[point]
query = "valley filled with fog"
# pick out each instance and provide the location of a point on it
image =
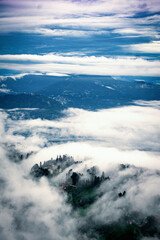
(121, 142)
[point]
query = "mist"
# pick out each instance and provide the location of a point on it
(107, 139)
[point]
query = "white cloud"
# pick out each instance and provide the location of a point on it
(83, 19)
(31, 210)
(153, 104)
(81, 7)
(4, 90)
(140, 192)
(138, 31)
(17, 76)
(37, 24)
(59, 64)
(105, 138)
(21, 109)
(152, 47)
(37, 17)
(66, 32)
(56, 74)
(119, 135)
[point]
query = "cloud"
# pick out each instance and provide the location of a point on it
(139, 197)
(83, 18)
(137, 31)
(81, 7)
(21, 75)
(17, 76)
(37, 210)
(59, 64)
(122, 134)
(26, 214)
(42, 25)
(4, 90)
(81, 26)
(66, 32)
(153, 104)
(30, 210)
(57, 74)
(152, 47)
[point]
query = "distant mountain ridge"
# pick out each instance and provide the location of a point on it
(31, 106)
(28, 83)
(83, 91)
(101, 92)
(28, 101)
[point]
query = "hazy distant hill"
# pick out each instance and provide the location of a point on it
(28, 83)
(28, 101)
(101, 93)
(88, 92)
(30, 106)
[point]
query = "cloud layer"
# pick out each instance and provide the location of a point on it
(107, 138)
(90, 65)
(127, 130)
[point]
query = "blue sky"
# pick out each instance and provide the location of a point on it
(120, 38)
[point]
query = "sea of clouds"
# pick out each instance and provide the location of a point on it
(33, 210)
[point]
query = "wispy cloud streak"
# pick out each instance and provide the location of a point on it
(82, 65)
